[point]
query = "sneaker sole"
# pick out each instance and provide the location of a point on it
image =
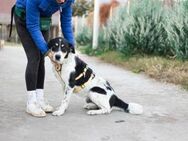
(35, 115)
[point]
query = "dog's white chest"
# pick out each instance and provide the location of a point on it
(58, 75)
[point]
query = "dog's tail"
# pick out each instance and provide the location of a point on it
(132, 108)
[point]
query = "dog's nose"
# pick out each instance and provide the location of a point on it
(57, 57)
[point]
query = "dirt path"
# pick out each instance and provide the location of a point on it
(164, 118)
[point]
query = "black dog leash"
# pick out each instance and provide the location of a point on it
(11, 22)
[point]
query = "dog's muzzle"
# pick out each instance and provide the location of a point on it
(57, 57)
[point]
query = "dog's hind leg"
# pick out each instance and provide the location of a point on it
(102, 102)
(90, 105)
(98, 112)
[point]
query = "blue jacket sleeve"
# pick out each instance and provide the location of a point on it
(33, 25)
(66, 23)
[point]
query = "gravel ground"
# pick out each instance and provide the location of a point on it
(164, 119)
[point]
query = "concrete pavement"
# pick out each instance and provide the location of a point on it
(164, 119)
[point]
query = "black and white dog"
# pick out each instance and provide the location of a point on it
(76, 77)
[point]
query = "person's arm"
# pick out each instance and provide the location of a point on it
(33, 25)
(66, 24)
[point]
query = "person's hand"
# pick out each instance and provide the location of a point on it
(50, 55)
(60, 1)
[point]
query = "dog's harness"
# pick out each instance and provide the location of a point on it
(77, 89)
(82, 74)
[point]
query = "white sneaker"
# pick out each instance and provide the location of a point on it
(43, 104)
(35, 110)
(32, 107)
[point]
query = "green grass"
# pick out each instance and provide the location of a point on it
(160, 68)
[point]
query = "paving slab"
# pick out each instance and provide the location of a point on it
(165, 115)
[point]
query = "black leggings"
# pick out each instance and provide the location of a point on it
(35, 70)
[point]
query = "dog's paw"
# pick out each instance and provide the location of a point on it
(58, 112)
(91, 112)
(98, 112)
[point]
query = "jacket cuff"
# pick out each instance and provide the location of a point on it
(71, 45)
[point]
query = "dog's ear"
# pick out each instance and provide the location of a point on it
(72, 49)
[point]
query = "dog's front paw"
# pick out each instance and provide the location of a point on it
(58, 112)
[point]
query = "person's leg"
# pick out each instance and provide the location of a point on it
(41, 73)
(40, 80)
(41, 70)
(31, 74)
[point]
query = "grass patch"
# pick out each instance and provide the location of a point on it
(172, 71)
(163, 69)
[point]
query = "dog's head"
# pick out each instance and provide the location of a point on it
(60, 49)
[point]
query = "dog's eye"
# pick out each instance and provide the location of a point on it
(53, 48)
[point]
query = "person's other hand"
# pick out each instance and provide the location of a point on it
(60, 1)
(50, 55)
